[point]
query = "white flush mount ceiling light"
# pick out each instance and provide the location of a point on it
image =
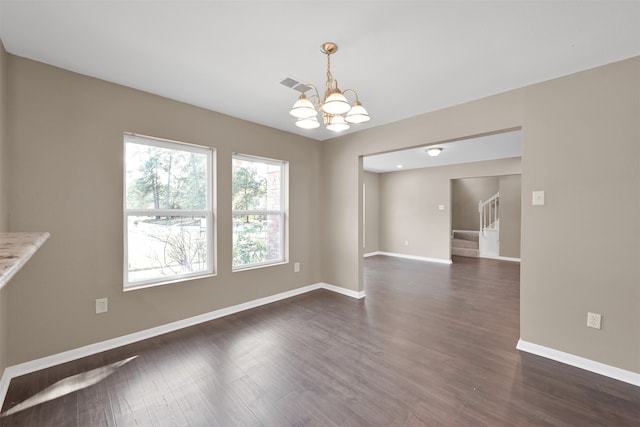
(337, 113)
(434, 151)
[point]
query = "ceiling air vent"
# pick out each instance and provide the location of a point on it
(295, 85)
(289, 82)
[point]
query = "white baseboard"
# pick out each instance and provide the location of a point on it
(14, 371)
(580, 362)
(417, 258)
(343, 291)
(502, 258)
(442, 261)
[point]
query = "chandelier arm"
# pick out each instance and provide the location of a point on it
(344, 92)
(316, 95)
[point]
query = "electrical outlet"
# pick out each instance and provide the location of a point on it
(406, 243)
(296, 267)
(593, 320)
(102, 305)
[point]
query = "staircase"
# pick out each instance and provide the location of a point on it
(465, 243)
(490, 226)
(486, 241)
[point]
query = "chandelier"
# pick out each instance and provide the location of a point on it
(337, 113)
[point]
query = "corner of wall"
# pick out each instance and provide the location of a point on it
(4, 221)
(3, 196)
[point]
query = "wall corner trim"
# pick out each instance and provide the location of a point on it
(20, 369)
(580, 362)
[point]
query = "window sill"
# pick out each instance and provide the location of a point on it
(257, 266)
(167, 282)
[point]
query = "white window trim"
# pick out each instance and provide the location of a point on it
(208, 213)
(283, 212)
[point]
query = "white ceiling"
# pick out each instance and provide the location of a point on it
(489, 147)
(404, 58)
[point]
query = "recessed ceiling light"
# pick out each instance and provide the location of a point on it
(434, 151)
(399, 166)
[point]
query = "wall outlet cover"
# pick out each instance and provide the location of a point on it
(593, 320)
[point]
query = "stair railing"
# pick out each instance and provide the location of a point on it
(489, 212)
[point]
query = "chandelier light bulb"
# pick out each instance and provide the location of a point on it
(308, 123)
(336, 103)
(303, 108)
(336, 123)
(357, 114)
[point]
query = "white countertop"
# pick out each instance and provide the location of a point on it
(15, 251)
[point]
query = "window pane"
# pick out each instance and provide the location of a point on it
(166, 247)
(256, 239)
(256, 185)
(274, 193)
(162, 178)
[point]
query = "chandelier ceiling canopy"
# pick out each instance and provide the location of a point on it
(337, 113)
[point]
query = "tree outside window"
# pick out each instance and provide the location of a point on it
(258, 202)
(168, 214)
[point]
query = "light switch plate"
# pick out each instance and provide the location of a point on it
(102, 305)
(537, 198)
(440, 207)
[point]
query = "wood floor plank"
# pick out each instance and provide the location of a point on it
(430, 345)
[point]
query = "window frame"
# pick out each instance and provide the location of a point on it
(208, 212)
(283, 212)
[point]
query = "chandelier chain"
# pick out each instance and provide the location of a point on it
(330, 80)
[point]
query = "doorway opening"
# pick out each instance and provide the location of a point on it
(486, 217)
(407, 201)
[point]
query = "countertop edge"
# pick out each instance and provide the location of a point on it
(15, 250)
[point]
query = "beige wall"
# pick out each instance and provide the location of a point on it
(342, 220)
(409, 206)
(66, 153)
(465, 195)
(3, 197)
(4, 175)
(580, 250)
(510, 215)
(565, 123)
(371, 211)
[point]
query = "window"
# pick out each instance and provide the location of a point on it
(259, 211)
(168, 214)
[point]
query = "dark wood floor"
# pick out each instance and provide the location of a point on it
(431, 344)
